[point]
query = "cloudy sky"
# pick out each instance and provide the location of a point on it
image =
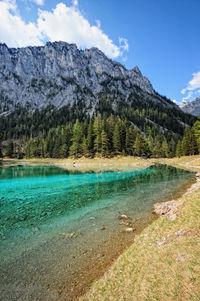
(162, 37)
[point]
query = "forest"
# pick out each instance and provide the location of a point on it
(53, 133)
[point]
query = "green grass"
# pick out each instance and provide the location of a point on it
(161, 264)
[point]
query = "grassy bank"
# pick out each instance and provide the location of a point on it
(85, 163)
(164, 261)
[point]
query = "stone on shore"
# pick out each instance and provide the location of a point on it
(130, 229)
(124, 216)
(168, 209)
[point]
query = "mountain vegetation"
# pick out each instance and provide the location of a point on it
(69, 131)
(58, 101)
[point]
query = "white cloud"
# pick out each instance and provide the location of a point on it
(183, 91)
(123, 44)
(67, 24)
(75, 2)
(175, 101)
(98, 22)
(193, 84)
(38, 2)
(64, 23)
(193, 87)
(13, 30)
(188, 96)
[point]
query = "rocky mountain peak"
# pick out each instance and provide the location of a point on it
(59, 73)
(192, 107)
(137, 70)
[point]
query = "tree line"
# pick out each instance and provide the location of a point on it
(103, 137)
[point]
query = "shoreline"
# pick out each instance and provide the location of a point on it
(117, 163)
(83, 280)
(101, 287)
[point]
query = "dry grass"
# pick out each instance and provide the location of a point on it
(189, 162)
(164, 261)
(85, 163)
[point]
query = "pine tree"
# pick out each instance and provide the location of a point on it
(104, 143)
(193, 143)
(165, 149)
(141, 147)
(130, 138)
(196, 130)
(10, 149)
(97, 135)
(157, 150)
(189, 144)
(116, 139)
(76, 149)
(172, 148)
(90, 137)
(1, 153)
(178, 149)
(84, 147)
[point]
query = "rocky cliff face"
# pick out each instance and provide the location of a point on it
(59, 73)
(192, 107)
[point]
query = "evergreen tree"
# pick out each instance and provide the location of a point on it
(165, 149)
(178, 149)
(193, 143)
(97, 135)
(172, 148)
(157, 150)
(196, 130)
(189, 144)
(84, 147)
(116, 139)
(141, 147)
(76, 148)
(10, 149)
(104, 143)
(1, 153)
(90, 137)
(130, 138)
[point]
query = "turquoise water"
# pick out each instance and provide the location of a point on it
(39, 206)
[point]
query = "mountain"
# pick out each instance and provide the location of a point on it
(59, 73)
(48, 86)
(192, 107)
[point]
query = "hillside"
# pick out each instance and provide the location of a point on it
(44, 90)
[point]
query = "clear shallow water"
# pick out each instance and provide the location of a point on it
(41, 206)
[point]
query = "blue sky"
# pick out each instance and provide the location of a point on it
(162, 37)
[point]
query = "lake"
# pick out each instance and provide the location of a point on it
(59, 229)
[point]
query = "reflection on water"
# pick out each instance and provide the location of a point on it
(38, 203)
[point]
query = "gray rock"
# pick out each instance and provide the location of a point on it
(192, 107)
(59, 73)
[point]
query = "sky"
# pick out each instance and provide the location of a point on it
(161, 37)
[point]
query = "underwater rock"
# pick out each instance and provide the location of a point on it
(127, 223)
(124, 216)
(102, 228)
(130, 229)
(35, 229)
(70, 235)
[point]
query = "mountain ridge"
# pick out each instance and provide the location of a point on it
(59, 73)
(192, 107)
